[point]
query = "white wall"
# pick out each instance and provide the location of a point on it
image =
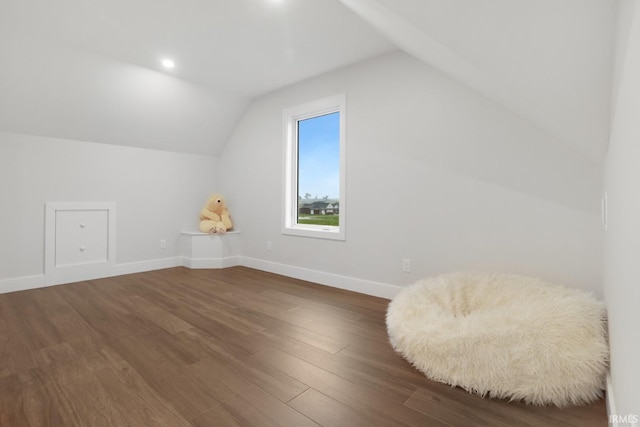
(158, 195)
(622, 243)
(435, 173)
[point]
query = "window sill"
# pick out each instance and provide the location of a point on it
(316, 232)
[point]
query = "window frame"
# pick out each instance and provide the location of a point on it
(291, 117)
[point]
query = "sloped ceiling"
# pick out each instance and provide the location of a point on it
(548, 61)
(90, 69)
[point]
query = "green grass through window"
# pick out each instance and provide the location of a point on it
(319, 219)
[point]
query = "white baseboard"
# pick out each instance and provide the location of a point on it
(196, 263)
(21, 283)
(38, 281)
(368, 287)
(612, 412)
(611, 405)
(149, 265)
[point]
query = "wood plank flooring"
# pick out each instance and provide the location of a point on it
(232, 347)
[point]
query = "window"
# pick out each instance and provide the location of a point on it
(315, 169)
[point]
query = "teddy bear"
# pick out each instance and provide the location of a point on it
(214, 217)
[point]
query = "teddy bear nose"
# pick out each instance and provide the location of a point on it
(219, 200)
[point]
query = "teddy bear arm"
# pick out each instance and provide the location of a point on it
(207, 214)
(226, 220)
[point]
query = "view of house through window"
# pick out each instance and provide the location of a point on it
(314, 175)
(319, 170)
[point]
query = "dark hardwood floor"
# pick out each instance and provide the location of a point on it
(232, 347)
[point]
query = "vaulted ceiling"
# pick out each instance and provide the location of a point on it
(90, 69)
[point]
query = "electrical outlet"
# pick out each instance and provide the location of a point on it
(406, 265)
(268, 245)
(163, 244)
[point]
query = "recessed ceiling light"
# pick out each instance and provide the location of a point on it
(168, 63)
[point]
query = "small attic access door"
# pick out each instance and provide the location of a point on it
(79, 241)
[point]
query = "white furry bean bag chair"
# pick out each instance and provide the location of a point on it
(504, 336)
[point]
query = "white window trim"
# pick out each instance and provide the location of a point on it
(291, 116)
